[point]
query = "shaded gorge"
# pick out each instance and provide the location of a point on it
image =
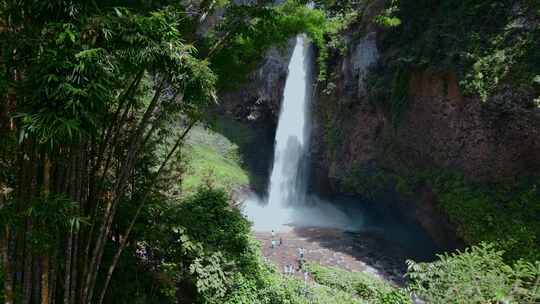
(384, 236)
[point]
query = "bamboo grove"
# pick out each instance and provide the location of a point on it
(96, 99)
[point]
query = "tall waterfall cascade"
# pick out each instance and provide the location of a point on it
(288, 204)
(289, 177)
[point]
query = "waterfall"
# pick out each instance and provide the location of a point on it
(289, 177)
(288, 204)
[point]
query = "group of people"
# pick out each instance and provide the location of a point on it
(301, 257)
(289, 268)
(274, 241)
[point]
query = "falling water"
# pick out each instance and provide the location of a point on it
(288, 179)
(287, 203)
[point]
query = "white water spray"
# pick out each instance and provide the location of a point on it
(288, 204)
(288, 179)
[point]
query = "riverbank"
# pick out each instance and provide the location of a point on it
(356, 252)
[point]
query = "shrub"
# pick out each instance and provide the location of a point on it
(505, 214)
(476, 275)
(362, 285)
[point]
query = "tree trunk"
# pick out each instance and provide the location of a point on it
(134, 147)
(6, 264)
(30, 282)
(67, 276)
(27, 271)
(53, 277)
(36, 284)
(19, 234)
(74, 268)
(124, 239)
(45, 266)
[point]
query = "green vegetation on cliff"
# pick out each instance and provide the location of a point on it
(492, 45)
(500, 213)
(504, 213)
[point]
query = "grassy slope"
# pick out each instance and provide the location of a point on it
(211, 157)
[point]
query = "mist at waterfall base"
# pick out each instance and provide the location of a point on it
(288, 205)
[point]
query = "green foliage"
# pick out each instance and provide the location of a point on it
(366, 181)
(504, 214)
(476, 275)
(199, 243)
(238, 43)
(315, 24)
(276, 289)
(394, 101)
(362, 285)
(388, 17)
(211, 277)
(206, 244)
(78, 70)
(400, 95)
(8, 212)
(501, 214)
(490, 44)
(213, 222)
(251, 30)
(51, 217)
(212, 158)
(137, 283)
(332, 136)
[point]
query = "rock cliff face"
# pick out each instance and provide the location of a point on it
(432, 127)
(439, 128)
(258, 100)
(429, 125)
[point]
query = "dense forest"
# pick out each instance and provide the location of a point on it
(117, 184)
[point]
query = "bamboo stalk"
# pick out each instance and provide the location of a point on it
(6, 263)
(29, 272)
(45, 266)
(74, 268)
(123, 241)
(67, 275)
(104, 230)
(36, 278)
(53, 276)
